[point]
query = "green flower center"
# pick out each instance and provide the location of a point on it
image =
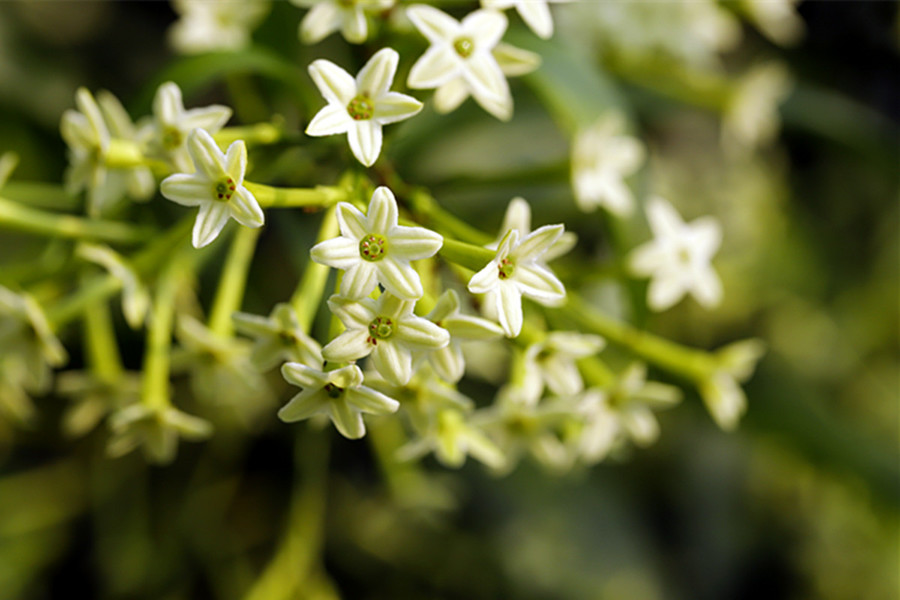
(224, 189)
(372, 247)
(506, 268)
(361, 108)
(381, 328)
(287, 337)
(346, 3)
(172, 138)
(464, 46)
(333, 391)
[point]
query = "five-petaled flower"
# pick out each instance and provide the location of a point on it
(338, 394)
(678, 258)
(348, 16)
(360, 107)
(385, 328)
(217, 188)
(460, 61)
(374, 249)
(518, 270)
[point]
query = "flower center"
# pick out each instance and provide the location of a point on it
(372, 247)
(361, 108)
(172, 138)
(684, 255)
(506, 268)
(381, 328)
(333, 391)
(224, 189)
(463, 46)
(287, 337)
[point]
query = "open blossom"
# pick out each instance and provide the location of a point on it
(167, 132)
(387, 330)
(602, 157)
(374, 249)
(751, 115)
(360, 107)
(721, 391)
(678, 258)
(156, 429)
(338, 394)
(460, 60)
(347, 16)
(279, 338)
(208, 25)
(535, 13)
(552, 362)
(448, 362)
(216, 187)
(452, 438)
(518, 270)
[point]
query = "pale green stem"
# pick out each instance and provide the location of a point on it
(308, 295)
(467, 255)
(22, 218)
(692, 87)
(318, 197)
(100, 342)
(425, 205)
(233, 282)
(260, 133)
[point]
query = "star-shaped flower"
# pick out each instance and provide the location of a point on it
(602, 157)
(338, 394)
(360, 107)
(166, 134)
(552, 362)
(216, 188)
(518, 270)
(155, 428)
(535, 13)
(348, 16)
(278, 338)
(678, 258)
(460, 60)
(452, 438)
(374, 249)
(207, 25)
(721, 391)
(448, 362)
(385, 328)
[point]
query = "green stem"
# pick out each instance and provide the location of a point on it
(234, 281)
(310, 289)
(30, 220)
(260, 133)
(100, 342)
(468, 255)
(425, 205)
(318, 197)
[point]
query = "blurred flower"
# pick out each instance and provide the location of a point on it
(166, 134)
(156, 429)
(135, 296)
(139, 181)
(460, 61)
(278, 338)
(448, 362)
(208, 25)
(552, 362)
(535, 13)
(602, 157)
(751, 115)
(216, 187)
(360, 107)
(348, 16)
(338, 394)
(385, 328)
(452, 438)
(422, 397)
(518, 270)
(721, 391)
(678, 258)
(8, 163)
(94, 397)
(374, 249)
(776, 19)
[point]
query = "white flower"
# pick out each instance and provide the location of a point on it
(776, 19)
(155, 428)
(216, 188)
(518, 217)
(452, 438)
(360, 107)
(751, 115)
(678, 258)
(552, 362)
(278, 338)
(207, 25)
(602, 157)
(138, 181)
(374, 249)
(721, 393)
(167, 135)
(385, 328)
(348, 16)
(338, 394)
(460, 60)
(535, 13)
(448, 362)
(517, 270)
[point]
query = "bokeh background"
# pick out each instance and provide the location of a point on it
(801, 502)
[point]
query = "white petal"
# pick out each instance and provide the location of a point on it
(434, 24)
(399, 278)
(509, 308)
(375, 78)
(346, 377)
(205, 154)
(436, 67)
(448, 362)
(334, 83)
(359, 280)
(707, 288)
(354, 314)
(393, 362)
(350, 345)
(646, 259)
(705, 236)
(382, 214)
(303, 406)
(471, 328)
(187, 190)
(210, 220)
(210, 118)
(421, 332)
(450, 95)
(446, 305)
(245, 209)
(346, 420)
(485, 27)
(302, 376)
(537, 243)
(486, 279)
(484, 76)
(501, 108)
(321, 20)
(562, 377)
(333, 119)
(369, 401)
(394, 106)
(664, 292)
(365, 141)
(538, 282)
(537, 16)
(518, 217)
(354, 27)
(339, 252)
(413, 243)
(167, 104)
(664, 219)
(351, 221)
(641, 425)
